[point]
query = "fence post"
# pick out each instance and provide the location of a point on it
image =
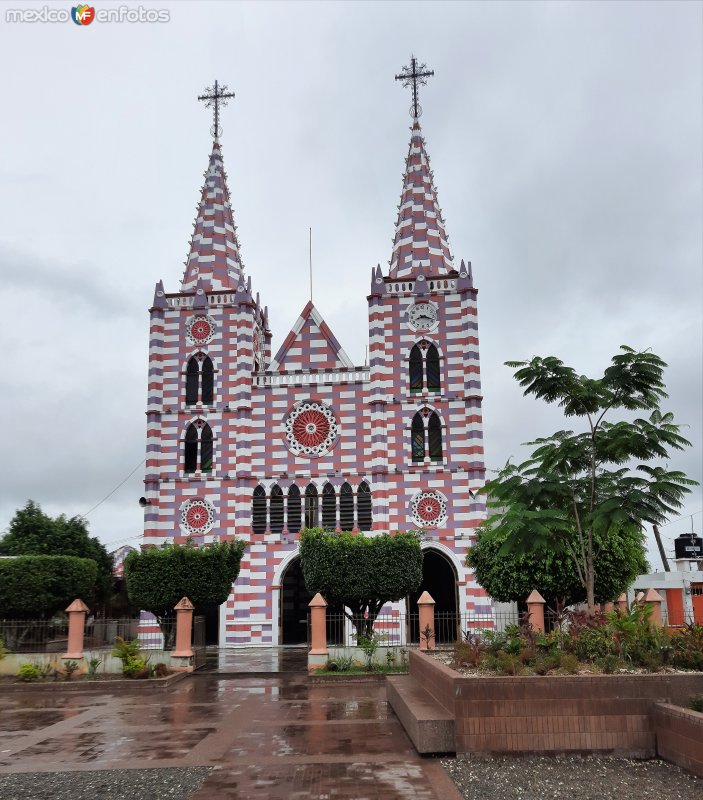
(184, 628)
(318, 625)
(535, 610)
(76, 629)
(425, 607)
(653, 598)
(622, 603)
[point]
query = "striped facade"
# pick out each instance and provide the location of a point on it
(268, 416)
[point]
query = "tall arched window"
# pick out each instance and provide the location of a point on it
(432, 368)
(258, 510)
(190, 460)
(192, 380)
(416, 369)
(206, 448)
(312, 507)
(276, 509)
(208, 378)
(417, 434)
(294, 509)
(346, 507)
(329, 507)
(434, 437)
(200, 381)
(363, 507)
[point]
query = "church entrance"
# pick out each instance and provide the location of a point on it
(439, 579)
(294, 606)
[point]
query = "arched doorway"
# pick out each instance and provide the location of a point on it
(439, 579)
(294, 605)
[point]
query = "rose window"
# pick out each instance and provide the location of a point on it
(197, 516)
(311, 429)
(429, 509)
(201, 330)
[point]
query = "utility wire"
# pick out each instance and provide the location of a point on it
(108, 496)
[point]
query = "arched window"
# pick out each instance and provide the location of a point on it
(417, 434)
(294, 509)
(432, 368)
(311, 507)
(258, 510)
(416, 369)
(206, 448)
(190, 461)
(208, 378)
(434, 437)
(363, 506)
(192, 378)
(346, 507)
(276, 510)
(329, 507)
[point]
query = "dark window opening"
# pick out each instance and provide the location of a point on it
(294, 509)
(346, 507)
(208, 374)
(206, 449)
(276, 512)
(416, 369)
(434, 431)
(363, 506)
(192, 378)
(418, 438)
(329, 507)
(258, 510)
(432, 365)
(190, 461)
(311, 507)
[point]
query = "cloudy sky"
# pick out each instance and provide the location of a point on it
(566, 145)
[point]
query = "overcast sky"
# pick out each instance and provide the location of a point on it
(566, 145)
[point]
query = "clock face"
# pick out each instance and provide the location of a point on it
(422, 316)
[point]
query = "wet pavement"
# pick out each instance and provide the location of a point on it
(255, 719)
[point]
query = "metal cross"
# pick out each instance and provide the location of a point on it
(214, 97)
(415, 76)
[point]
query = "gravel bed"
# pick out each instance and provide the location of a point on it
(572, 777)
(172, 783)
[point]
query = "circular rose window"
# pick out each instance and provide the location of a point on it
(201, 330)
(310, 429)
(429, 509)
(197, 516)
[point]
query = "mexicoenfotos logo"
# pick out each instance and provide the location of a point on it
(83, 15)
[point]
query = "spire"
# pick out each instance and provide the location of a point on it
(214, 256)
(420, 238)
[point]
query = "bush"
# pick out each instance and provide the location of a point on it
(135, 667)
(695, 702)
(34, 587)
(509, 664)
(686, 647)
(29, 673)
(569, 664)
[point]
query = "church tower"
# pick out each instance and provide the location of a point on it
(240, 443)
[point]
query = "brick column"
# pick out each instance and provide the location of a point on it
(184, 628)
(76, 629)
(535, 610)
(318, 625)
(654, 599)
(622, 603)
(609, 606)
(425, 607)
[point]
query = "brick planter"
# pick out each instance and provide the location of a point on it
(555, 714)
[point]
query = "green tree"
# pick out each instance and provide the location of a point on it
(359, 572)
(32, 532)
(511, 576)
(157, 578)
(578, 489)
(33, 587)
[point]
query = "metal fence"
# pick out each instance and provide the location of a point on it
(199, 642)
(34, 636)
(101, 633)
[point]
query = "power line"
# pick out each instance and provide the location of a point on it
(108, 496)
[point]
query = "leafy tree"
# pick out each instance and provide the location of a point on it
(577, 490)
(38, 586)
(157, 578)
(511, 576)
(360, 573)
(32, 532)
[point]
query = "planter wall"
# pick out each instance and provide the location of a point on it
(111, 665)
(680, 736)
(555, 714)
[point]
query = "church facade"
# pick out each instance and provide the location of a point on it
(243, 441)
